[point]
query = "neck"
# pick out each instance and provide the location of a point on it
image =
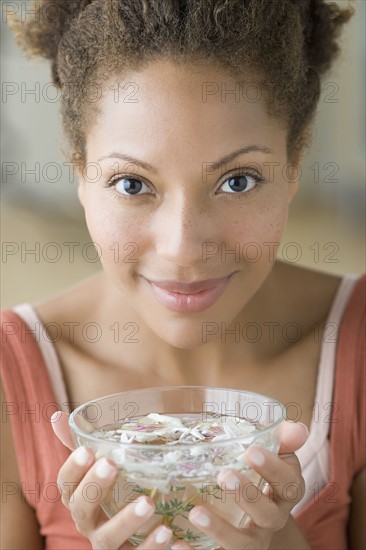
(248, 341)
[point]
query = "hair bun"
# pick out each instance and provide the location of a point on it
(44, 27)
(322, 22)
(289, 43)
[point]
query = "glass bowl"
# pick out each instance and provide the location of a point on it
(179, 476)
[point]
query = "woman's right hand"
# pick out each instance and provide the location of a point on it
(80, 471)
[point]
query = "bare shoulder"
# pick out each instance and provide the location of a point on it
(74, 304)
(309, 278)
(309, 293)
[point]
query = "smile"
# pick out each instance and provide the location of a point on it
(187, 300)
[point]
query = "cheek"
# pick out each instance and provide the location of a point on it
(256, 236)
(251, 235)
(117, 237)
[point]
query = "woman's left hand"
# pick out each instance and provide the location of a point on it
(269, 512)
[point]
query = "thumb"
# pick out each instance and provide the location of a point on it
(293, 436)
(60, 425)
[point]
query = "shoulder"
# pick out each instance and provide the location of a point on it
(305, 294)
(53, 316)
(74, 305)
(352, 329)
(309, 279)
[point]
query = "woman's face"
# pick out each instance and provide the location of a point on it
(177, 216)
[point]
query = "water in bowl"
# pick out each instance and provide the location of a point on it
(177, 467)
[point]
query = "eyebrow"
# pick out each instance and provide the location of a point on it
(215, 165)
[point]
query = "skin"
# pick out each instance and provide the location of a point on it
(171, 128)
(269, 519)
(178, 210)
(164, 228)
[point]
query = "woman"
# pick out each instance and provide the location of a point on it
(187, 122)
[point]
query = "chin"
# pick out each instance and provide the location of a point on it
(182, 335)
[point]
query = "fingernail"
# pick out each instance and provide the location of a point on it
(231, 481)
(306, 428)
(81, 456)
(163, 535)
(200, 518)
(255, 456)
(143, 507)
(302, 424)
(55, 417)
(104, 469)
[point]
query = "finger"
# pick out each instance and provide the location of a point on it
(182, 545)
(293, 436)
(268, 509)
(259, 506)
(159, 538)
(85, 501)
(115, 532)
(283, 475)
(60, 425)
(72, 472)
(218, 529)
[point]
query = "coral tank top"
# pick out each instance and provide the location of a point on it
(333, 454)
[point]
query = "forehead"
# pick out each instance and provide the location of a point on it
(189, 105)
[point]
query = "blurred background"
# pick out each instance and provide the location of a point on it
(41, 216)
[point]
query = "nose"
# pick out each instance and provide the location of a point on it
(181, 227)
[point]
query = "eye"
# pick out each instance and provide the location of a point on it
(128, 185)
(241, 183)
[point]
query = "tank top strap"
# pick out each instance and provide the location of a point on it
(324, 519)
(29, 315)
(322, 414)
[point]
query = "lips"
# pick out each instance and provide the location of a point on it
(188, 288)
(188, 297)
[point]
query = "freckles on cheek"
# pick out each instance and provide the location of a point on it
(115, 237)
(258, 228)
(273, 224)
(258, 234)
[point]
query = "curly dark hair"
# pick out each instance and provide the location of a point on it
(289, 43)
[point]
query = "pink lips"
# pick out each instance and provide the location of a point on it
(189, 297)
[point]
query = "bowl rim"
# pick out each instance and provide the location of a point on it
(121, 444)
